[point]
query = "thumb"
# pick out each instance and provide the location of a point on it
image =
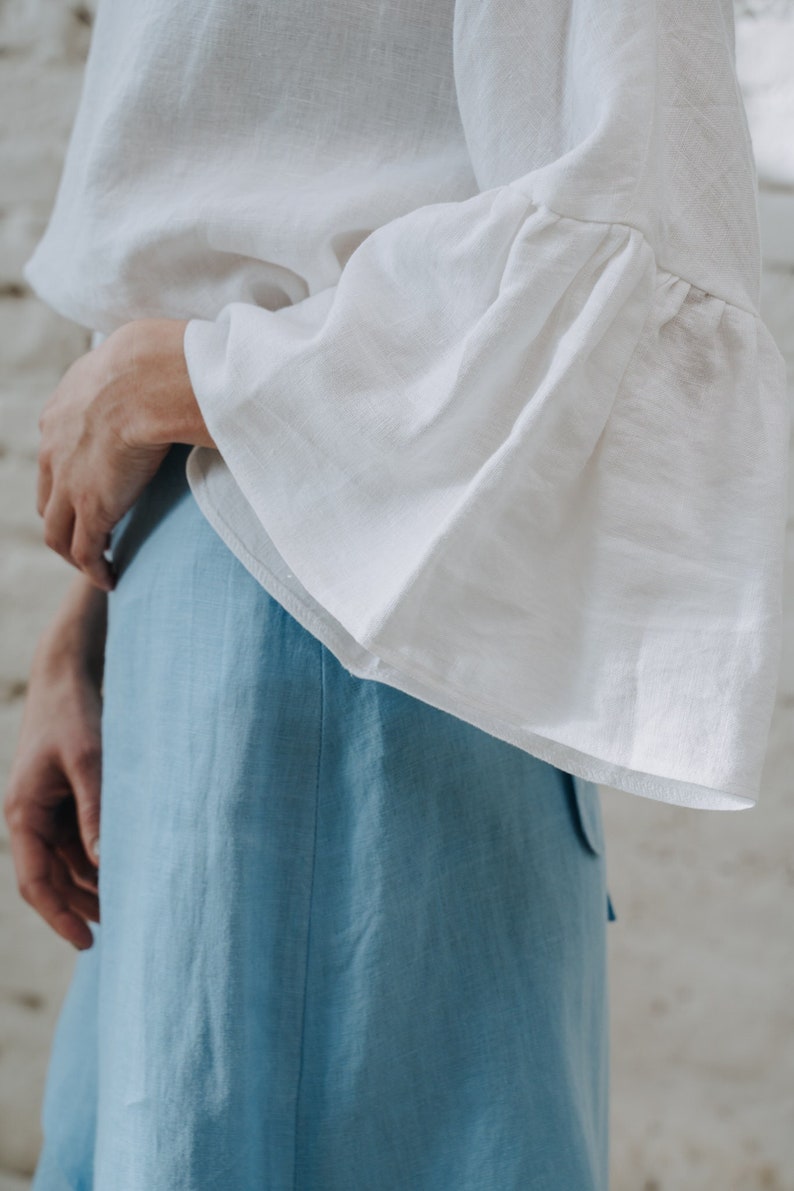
(85, 774)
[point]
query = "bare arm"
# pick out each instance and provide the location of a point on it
(52, 802)
(76, 635)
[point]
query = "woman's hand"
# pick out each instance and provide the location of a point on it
(104, 433)
(52, 803)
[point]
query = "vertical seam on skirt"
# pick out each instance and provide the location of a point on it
(309, 922)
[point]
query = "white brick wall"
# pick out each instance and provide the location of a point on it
(43, 45)
(701, 954)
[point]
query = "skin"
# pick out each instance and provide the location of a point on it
(105, 431)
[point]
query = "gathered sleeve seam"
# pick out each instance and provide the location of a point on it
(632, 227)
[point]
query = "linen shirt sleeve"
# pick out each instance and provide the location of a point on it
(531, 448)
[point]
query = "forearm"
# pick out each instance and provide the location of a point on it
(76, 634)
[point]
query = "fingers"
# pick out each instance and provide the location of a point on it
(83, 769)
(87, 553)
(45, 884)
(80, 540)
(84, 873)
(84, 473)
(43, 484)
(59, 527)
(72, 848)
(54, 874)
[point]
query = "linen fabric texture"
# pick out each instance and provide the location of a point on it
(348, 942)
(473, 301)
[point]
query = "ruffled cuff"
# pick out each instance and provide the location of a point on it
(540, 484)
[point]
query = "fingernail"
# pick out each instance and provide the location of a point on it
(95, 849)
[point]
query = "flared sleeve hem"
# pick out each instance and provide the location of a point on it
(545, 491)
(216, 492)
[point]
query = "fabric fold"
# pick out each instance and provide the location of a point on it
(563, 440)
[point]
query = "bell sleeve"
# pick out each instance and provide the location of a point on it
(530, 451)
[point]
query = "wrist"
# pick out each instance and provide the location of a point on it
(75, 638)
(162, 408)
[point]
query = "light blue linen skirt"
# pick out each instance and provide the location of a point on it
(349, 942)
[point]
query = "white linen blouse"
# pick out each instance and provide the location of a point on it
(473, 301)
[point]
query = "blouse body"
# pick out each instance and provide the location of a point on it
(473, 300)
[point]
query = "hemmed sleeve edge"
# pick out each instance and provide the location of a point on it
(205, 470)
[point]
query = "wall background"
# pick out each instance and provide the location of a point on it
(702, 952)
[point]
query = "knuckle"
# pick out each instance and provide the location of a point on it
(90, 824)
(91, 510)
(84, 502)
(83, 555)
(87, 758)
(29, 888)
(13, 808)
